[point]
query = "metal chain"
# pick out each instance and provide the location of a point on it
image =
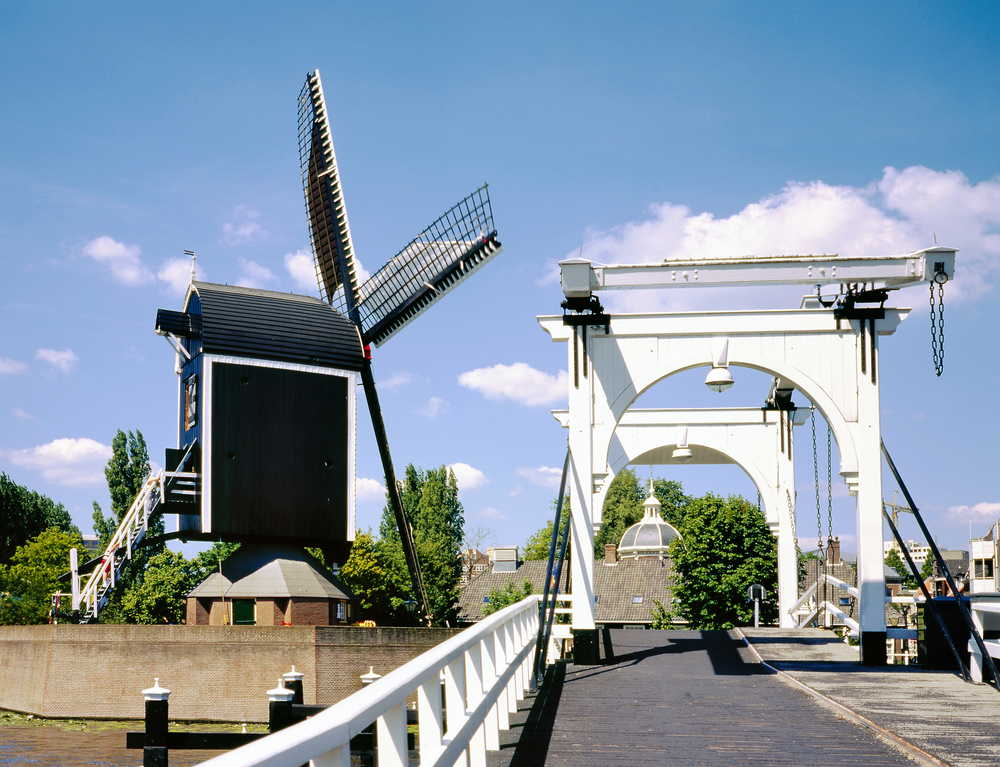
(819, 516)
(829, 486)
(791, 516)
(937, 330)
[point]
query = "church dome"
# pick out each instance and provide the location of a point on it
(651, 535)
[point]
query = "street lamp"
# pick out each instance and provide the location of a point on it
(719, 378)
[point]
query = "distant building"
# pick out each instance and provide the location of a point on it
(918, 551)
(983, 575)
(633, 576)
(271, 586)
(92, 545)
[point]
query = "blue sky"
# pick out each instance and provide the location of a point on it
(130, 133)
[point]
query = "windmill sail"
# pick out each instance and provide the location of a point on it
(434, 263)
(328, 228)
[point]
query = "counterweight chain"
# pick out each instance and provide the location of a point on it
(937, 329)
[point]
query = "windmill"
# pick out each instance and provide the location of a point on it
(434, 263)
(259, 369)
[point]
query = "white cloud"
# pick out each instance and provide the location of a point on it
(488, 512)
(369, 490)
(398, 378)
(176, 274)
(435, 406)
(550, 274)
(981, 512)
(18, 413)
(124, 261)
(61, 360)
(543, 476)
(245, 229)
(302, 270)
(9, 367)
(519, 382)
(901, 212)
(253, 275)
(468, 478)
(70, 462)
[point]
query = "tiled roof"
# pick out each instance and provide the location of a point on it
(616, 588)
(470, 600)
(258, 571)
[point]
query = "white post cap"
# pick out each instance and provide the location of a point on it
(280, 693)
(156, 692)
(293, 675)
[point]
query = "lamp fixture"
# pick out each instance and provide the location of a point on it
(719, 378)
(683, 454)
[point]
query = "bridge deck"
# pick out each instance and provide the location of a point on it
(693, 698)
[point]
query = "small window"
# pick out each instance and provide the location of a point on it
(983, 568)
(597, 599)
(341, 611)
(191, 402)
(637, 600)
(845, 601)
(486, 600)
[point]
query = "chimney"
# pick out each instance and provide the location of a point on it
(610, 553)
(833, 552)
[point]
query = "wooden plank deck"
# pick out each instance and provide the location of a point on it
(683, 698)
(957, 722)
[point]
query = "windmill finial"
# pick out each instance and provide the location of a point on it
(194, 258)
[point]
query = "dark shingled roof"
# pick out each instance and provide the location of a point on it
(265, 324)
(615, 586)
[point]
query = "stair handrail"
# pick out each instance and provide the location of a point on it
(108, 569)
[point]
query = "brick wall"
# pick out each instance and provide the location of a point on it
(216, 673)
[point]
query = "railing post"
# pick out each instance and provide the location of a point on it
(74, 568)
(515, 684)
(338, 757)
(454, 701)
(391, 737)
(154, 752)
(489, 656)
(503, 702)
(430, 719)
(473, 696)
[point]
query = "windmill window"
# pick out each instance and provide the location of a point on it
(191, 402)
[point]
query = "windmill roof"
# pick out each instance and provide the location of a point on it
(258, 571)
(265, 324)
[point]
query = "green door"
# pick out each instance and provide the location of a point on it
(244, 612)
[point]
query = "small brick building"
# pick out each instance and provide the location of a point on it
(271, 586)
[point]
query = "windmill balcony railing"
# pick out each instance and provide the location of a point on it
(486, 670)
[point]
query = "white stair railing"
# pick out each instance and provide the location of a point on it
(486, 670)
(94, 595)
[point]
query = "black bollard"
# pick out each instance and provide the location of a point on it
(154, 753)
(293, 682)
(279, 710)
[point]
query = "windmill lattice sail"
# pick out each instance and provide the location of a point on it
(433, 264)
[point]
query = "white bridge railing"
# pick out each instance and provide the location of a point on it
(486, 670)
(808, 606)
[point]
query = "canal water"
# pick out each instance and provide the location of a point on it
(51, 745)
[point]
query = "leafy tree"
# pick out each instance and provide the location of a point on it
(508, 595)
(364, 573)
(894, 561)
(537, 545)
(24, 514)
(126, 473)
(674, 502)
(207, 562)
(928, 568)
(726, 547)
(430, 499)
(622, 509)
(27, 584)
(475, 539)
(159, 596)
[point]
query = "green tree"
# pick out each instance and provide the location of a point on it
(894, 561)
(726, 547)
(506, 596)
(207, 562)
(674, 502)
(537, 545)
(437, 517)
(622, 509)
(364, 573)
(927, 570)
(28, 583)
(24, 514)
(159, 597)
(126, 473)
